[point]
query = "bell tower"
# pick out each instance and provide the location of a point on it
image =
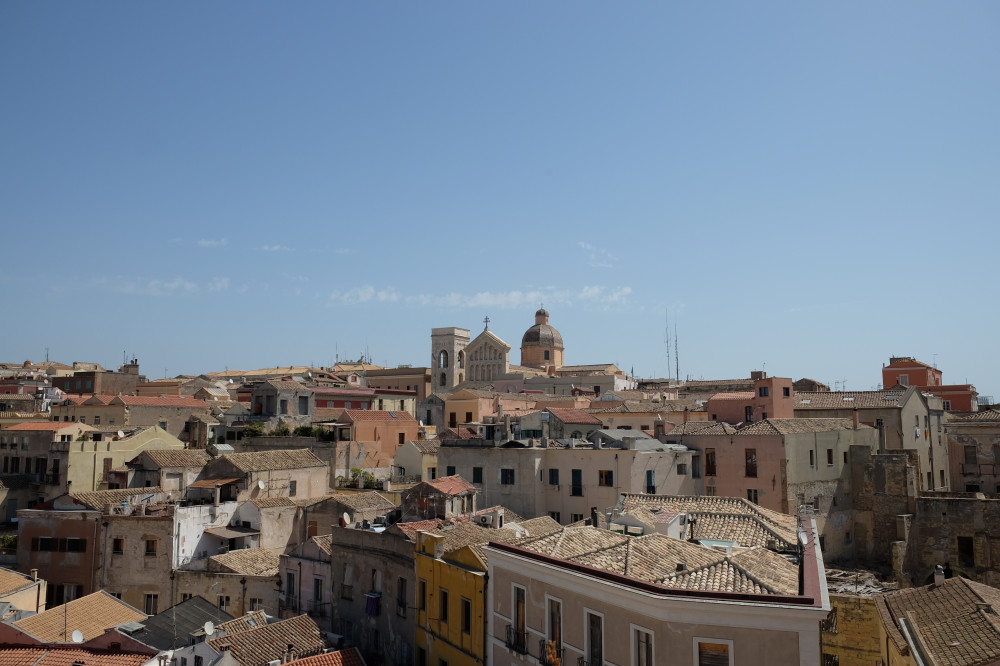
(448, 360)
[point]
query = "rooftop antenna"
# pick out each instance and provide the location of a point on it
(666, 318)
(933, 355)
(677, 362)
(46, 354)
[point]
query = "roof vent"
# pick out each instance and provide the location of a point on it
(682, 566)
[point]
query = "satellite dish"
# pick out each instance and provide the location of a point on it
(345, 519)
(121, 434)
(261, 484)
(209, 628)
(230, 381)
(310, 375)
(77, 636)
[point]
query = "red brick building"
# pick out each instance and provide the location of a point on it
(907, 371)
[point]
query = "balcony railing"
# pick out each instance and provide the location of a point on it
(517, 640)
(544, 656)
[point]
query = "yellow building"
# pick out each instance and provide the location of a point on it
(451, 595)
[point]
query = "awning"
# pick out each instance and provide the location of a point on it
(213, 482)
(227, 532)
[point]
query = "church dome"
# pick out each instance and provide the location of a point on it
(542, 334)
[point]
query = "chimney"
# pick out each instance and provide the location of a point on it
(685, 415)
(854, 416)
(593, 516)
(938, 575)
(34, 574)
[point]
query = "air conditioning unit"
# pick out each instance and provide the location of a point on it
(276, 662)
(485, 520)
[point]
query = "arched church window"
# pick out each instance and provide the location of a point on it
(461, 359)
(444, 379)
(443, 359)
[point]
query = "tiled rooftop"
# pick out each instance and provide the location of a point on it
(796, 426)
(575, 416)
(178, 457)
(251, 620)
(297, 637)
(356, 415)
(259, 461)
(12, 580)
(248, 561)
(99, 499)
(345, 657)
(452, 485)
(60, 656)
(44, 426)
(90, 615)
(886, 399)
(733, 395)
(957, 621)
(366, 501)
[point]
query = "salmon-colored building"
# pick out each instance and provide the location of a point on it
(907, 371)
(771, 398)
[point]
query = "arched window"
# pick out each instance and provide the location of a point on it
(444, 379)
(443, 359)
(461, 359)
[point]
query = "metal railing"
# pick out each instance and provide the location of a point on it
(517, 640)
(543, 653)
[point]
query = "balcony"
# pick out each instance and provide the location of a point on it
(550, 656)
(517, 640)
(576, 491)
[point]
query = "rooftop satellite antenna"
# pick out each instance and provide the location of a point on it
(121, 434)
(209, 628)
(77, 636)
(261, 484)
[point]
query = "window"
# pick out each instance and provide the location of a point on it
(831, 659)
(710, 491)
(748, 414)
(576, 483)
(519, 640)
(966, 551)
(751, 460)
(199, 661)
(443, 605)
(651, 481)
(575, 517)
(696, 467)
(452, 419)
(642, 642)
(812, 458)
(290, 588)
(506, 476)
(594, 650)
(752, 495)
(152, 602)
(554, 477)
(605, 477)
(764, 391)
(970, 455)
(97, 420)
(163, 425)
(421, 656)
(118, 546)
(468, 417)
(477, 474)
(554, 515)
(466, 616)
(930, 481)
(432, 472)
(449, 470)
(713, 652)
(829, 457)
(284, 406)
(786, 392)
(422, 594)
(947, 405)
(292, 488)
(401, 597)
(709, 462)
(317, 590)
(223, 603)
(402, 438)
(941, 474)
(682, 469)
(150, 547)
(847, 538)
(83, 419)
(303, 404)
(256, 604)
(903, 380)
(554, 629)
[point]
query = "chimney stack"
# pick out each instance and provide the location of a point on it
(34, 574)
(854, 416)
(938, 575)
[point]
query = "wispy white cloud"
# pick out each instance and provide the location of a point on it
(365, 294)
(277, 248)
(218, 284)
(147, 286)
(213, 242)
(598, 256)
(527, 298)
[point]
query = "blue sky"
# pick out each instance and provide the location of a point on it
(806, 188)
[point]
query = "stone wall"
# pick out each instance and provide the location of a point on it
(850, 632)
(956, 530)
(883, 486)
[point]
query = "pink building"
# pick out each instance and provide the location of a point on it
(771, 398)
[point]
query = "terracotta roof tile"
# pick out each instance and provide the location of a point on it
(452, 485)
(569, 415)
(12, 580)
(178, 457)
(427, 445)
(59, 656)
(100, 499)
(355, 415)
(795, 426)
(324, 542)
(848, 399)
(286, 385)
(90, 615)
(733, 395)
(45, 426)
(251, 620)
(956, 629)
(248, 561)
(366, 501)
(160, 401)
(271, 642)
(259, 461)
(346, 657)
